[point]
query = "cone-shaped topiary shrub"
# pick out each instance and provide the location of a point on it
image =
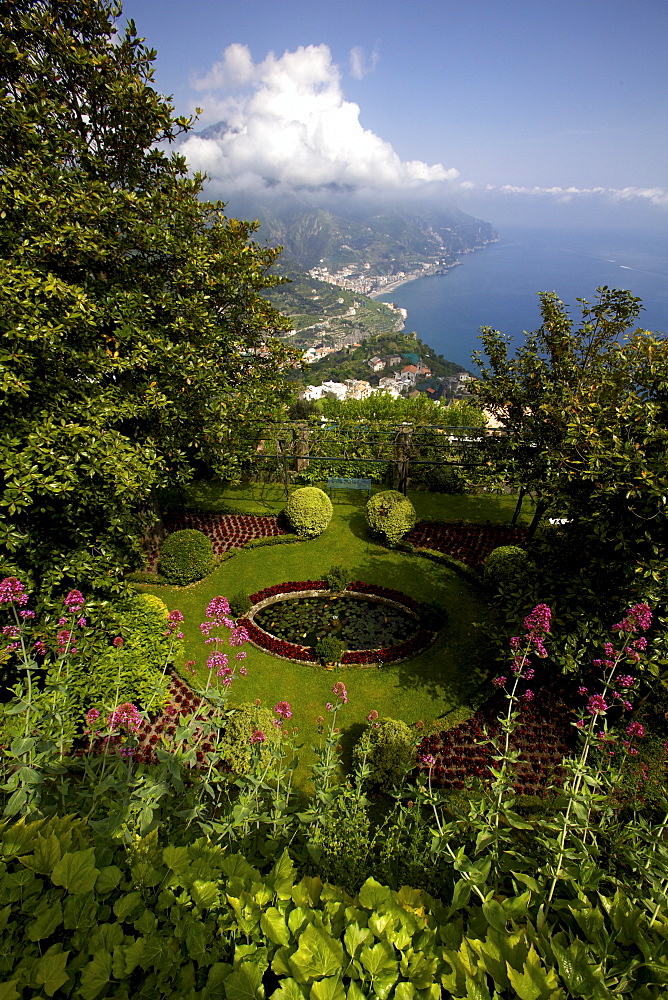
(390, 514)
(505, 565)
(186, 556)
(309, 511)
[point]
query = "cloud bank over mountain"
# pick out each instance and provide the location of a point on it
(285, 123)
(284, 126)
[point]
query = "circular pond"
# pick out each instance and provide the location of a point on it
(359, 623)
(374, 624)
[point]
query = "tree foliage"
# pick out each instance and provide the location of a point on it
(134, 335)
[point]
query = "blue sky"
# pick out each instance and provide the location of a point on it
(530, 111)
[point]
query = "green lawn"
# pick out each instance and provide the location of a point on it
(259, 498)
(439, 680)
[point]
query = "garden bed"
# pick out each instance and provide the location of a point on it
(469, 543)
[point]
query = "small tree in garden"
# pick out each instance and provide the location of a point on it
(391, 515)
(308, 511)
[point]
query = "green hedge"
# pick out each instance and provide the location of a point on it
(507, 564)
(308, 511)
(186, 556)
(239, 752)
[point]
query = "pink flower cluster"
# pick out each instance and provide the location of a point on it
(174, 620)
(12, 591)
(126, 717)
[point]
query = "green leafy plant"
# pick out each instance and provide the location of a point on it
(308, 511)
(338, 577)
(186, 556)
(329, 649)
(240, 604)
(505, 565)
(391, 515)
(241, 745)
(388, 745)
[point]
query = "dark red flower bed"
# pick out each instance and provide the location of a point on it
(291, 651)
(543, 737)
(470, 543)
(227, 531)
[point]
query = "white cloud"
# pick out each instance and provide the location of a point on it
(359, 67)
(655, 196)
(285, 123)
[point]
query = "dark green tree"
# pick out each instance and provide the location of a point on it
(135, 340)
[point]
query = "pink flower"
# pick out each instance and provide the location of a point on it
(372, 716)
(219, 607)
(635, 729)
(242, 671)
(283, 709)
(597, 705)
(126, 715)
(174, 619)
(339, 690)
(583, 691)
(258, 736)
(217, 661)
(12, 591)
(428, 759)
(74, 601)
(499, 681)
(241, 655)
(528, 695)
(118, 641)
(25, 614)
(40, 647)
(539, 620)
(239, 637)
(63, 637)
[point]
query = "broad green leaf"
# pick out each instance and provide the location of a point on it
(205, 894)
(76, 872)
(373, 895)
(318, 955)
(405, 991)
(126, 904)
(354, 937)
(50, 969)
(46, 856)
(273, 925)
(535, 982)
(328, 989)
(108, 879)
(575, 969)
(288, 990)
(177, 859)
(460, 894)
(282, 876)
(95, 975)
(527, 880)
(8, 990)
(245, 983)
(48, 916)
(494, 915)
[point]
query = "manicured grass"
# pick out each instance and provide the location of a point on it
(439, 680)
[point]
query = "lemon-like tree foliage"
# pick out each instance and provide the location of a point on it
(134, 335)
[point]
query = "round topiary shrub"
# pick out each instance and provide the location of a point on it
(186, 556)
(389, 748)
(309, 511)
(390, 514)
(505, 565)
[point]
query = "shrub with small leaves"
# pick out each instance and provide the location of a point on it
(186, 556)
(250, 733)
(309, 511)
(391, 515)
(505, 565)
(240, 604)
(329, 649)
(338, 578)
(389, 748)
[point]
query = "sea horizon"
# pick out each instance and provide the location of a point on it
(498, 285)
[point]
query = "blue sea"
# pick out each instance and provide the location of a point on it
(498, 285)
